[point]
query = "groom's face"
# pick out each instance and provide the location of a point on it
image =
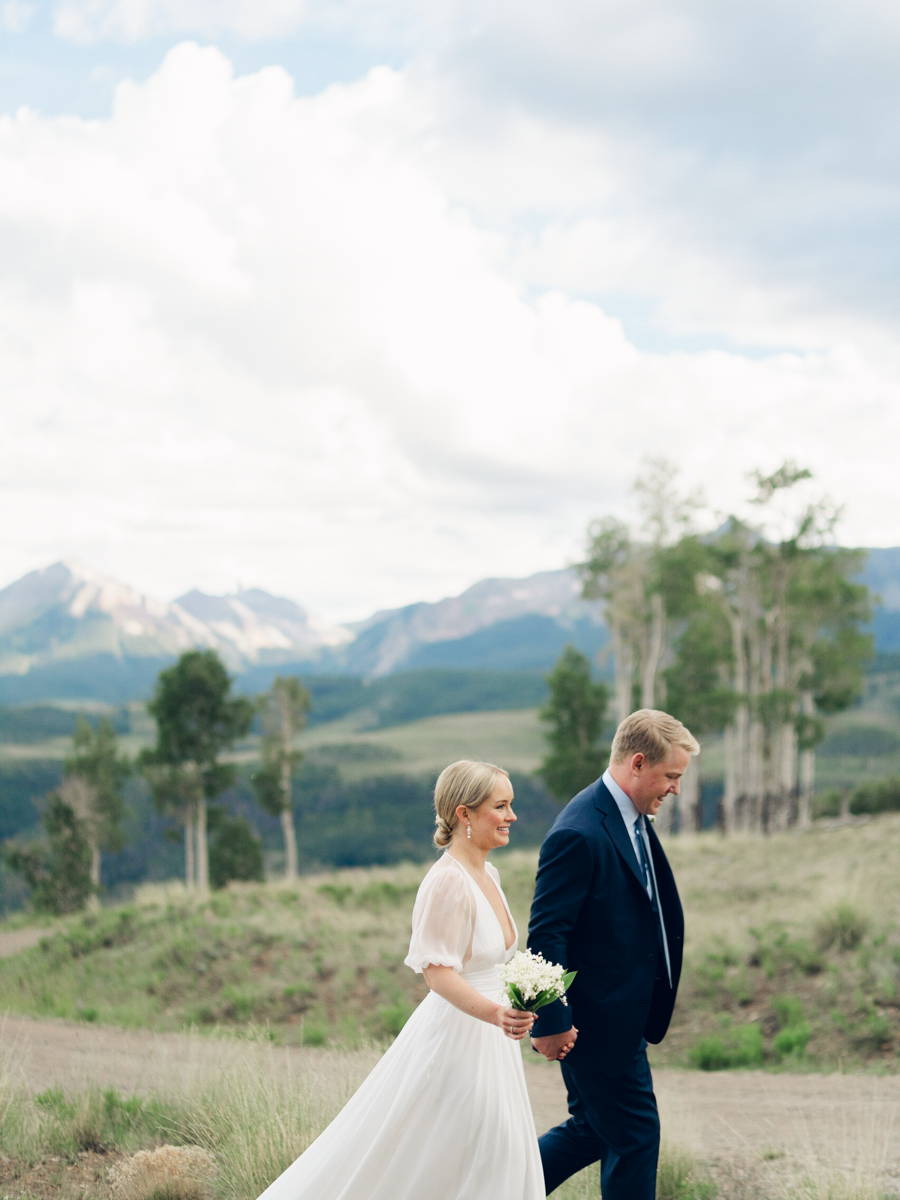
(652, 782)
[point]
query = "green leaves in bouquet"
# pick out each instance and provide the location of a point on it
(515, 997)
(517, 1000)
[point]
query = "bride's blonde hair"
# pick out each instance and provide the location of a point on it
(464, 782)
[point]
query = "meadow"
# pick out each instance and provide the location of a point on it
(792, 954)
(240, 1021)
(282, 995)
(115, 1115)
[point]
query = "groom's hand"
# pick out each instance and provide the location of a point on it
(556, 1045)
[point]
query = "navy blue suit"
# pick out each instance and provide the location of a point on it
(591, 912)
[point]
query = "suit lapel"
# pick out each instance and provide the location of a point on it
(618, 834)
(660, 862)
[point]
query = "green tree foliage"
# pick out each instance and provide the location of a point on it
(95, 775)
(883, 796)
(574, 716)
(755, 631)
(197, 720)
(644, 582)
(697, 690)
(57, 870)
(235, 852)
(283, 711)
(795, 614)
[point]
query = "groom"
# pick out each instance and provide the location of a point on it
(605, 905)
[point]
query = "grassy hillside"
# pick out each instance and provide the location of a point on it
(793, 954)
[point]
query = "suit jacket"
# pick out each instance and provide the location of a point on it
(591, 912)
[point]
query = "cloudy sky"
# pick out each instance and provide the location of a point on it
(360, 301)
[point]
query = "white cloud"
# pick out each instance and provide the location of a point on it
(252, 336)
(15, 16)
(752, 141)
(134, 20)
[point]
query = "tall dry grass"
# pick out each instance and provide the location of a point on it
(262, 1105)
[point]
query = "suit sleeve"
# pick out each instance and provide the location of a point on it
(563, 878)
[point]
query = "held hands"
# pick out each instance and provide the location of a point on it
(556, 1045)
(515, 1023)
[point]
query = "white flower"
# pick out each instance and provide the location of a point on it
(531, 981)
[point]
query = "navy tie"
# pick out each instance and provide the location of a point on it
(643, 859)
(650, 885)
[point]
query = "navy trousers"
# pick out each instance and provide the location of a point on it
(613, 1120)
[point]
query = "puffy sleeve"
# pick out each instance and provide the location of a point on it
(443, 921)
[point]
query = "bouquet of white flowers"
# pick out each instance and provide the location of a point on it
(531, 981)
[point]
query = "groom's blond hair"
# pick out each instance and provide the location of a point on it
(653, 733)
(465, 782)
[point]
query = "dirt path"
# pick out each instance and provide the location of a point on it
(14, 940)
(780, 1123)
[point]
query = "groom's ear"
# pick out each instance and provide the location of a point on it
(637, 761)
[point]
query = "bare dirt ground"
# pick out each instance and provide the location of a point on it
(785, 1123)
(14, 940)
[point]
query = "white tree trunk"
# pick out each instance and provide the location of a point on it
(807, 784)
(94, 898)
(287, 806)
(654, 647)
(202, 847)
(290, 843)
(190, 869)
(728, 803)
(623, 665)
(737, 732)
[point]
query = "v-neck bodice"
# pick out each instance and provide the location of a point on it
(454, 924)
(489, 946)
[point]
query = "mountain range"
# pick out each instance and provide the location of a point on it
(67, 631)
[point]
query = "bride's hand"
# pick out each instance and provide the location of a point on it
(514, 1022)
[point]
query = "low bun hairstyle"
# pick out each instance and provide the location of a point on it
(464, 782)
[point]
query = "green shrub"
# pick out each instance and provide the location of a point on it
(238, 1004)
(827, 804)
(681, 1178)
(297, 997)
(739, 1046)
(235, 852)
(777, 953)
(99, 1121)
(883, 796)
(788, 1011)
(94, 931)
(313, 1035)
(53, 1100)
(386, 894)
(393, 1017)
(57, 870)
(873, 1035)
(340, 893)
(791, 1041)
(842, 927)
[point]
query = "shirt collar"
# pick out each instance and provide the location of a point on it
(623, 801)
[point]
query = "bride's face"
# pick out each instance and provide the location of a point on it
(492, 819)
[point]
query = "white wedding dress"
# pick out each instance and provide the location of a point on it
(444, 1115)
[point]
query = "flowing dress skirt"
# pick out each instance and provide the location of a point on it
(444, 1115)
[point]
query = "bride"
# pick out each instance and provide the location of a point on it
(444, 1115)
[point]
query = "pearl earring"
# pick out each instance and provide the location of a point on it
(468, 831)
